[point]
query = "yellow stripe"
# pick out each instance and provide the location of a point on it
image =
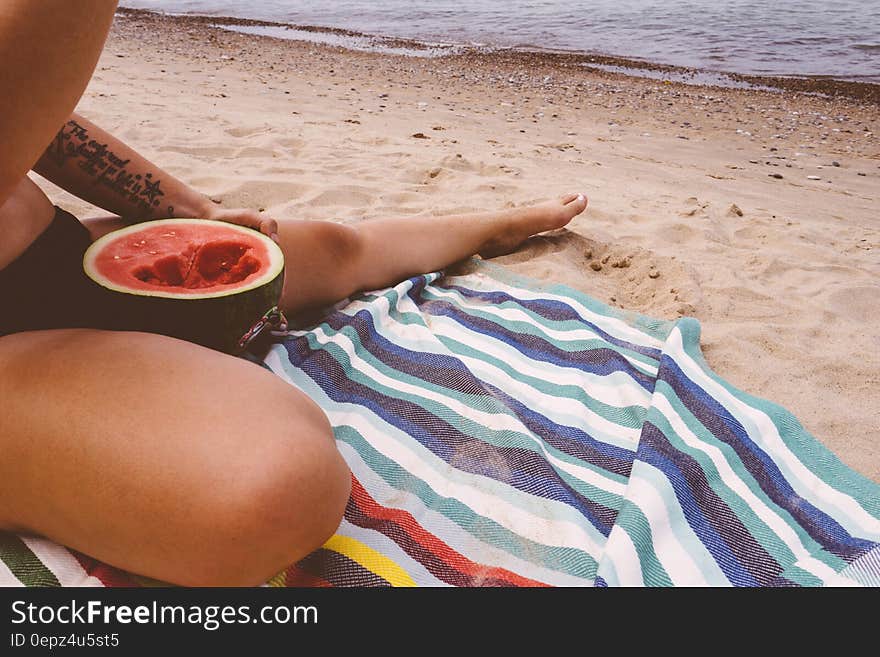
(374, 561)
(279, 580)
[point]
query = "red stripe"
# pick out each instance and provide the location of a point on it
(441, 550)
(108, 575)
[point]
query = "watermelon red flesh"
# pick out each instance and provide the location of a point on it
(182, 259)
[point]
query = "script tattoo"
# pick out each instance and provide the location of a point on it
(72, 142)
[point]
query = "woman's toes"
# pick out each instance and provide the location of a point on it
(574, 204)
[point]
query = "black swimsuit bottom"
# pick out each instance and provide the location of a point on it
(46, 287)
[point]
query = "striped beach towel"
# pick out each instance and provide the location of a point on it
(506, 432)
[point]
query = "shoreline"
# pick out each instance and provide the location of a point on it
(752, 211)
(829, 86)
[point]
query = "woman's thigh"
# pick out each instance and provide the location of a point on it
(162, 457)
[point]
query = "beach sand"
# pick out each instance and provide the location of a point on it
(685, 217)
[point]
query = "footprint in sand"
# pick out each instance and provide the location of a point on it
(680, 233)
(347, 195)
(861, 303)
(203, 152)
(245, 131)
(263, 193)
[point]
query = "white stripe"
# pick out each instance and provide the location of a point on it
(404, 303)
(829, 576)
(67, 570)
(563, 411)
(586, 419)
(621, 552)
(7, 579)
(616, 389)
(617, 394)
(855, 519)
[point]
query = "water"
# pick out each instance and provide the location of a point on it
(788, 37)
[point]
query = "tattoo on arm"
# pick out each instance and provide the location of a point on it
(107, 169)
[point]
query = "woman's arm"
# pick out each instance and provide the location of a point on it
(94, 165)
(48, 50)
(97, 167)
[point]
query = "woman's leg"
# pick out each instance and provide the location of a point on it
(327, 261)
(162, 457)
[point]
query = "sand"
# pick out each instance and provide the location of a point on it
(685, 217)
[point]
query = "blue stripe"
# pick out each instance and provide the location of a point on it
(821, 527)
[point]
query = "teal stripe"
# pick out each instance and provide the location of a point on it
(632, 520)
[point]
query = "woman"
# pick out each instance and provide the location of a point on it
(135, 448)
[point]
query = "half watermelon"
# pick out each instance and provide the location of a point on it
(203, 281)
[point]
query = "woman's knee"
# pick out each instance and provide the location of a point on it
(343, 242)
(287, 496)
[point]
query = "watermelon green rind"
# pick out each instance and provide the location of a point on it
(214, 320)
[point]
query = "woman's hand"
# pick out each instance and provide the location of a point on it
(245, 217)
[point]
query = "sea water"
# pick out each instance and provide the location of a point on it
(838, 39)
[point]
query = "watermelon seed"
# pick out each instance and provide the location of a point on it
(116, 257)
(153, 252)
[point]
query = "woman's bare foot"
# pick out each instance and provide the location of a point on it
(520, 224)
